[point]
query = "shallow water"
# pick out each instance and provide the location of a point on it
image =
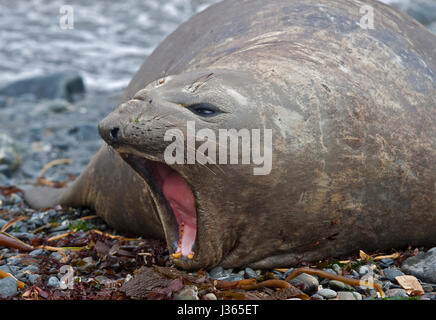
(109, 42)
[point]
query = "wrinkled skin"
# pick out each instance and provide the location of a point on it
(353, 117)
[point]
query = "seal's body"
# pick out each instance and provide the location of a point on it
(353, 120)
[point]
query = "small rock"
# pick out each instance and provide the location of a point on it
(386, 263)
(329, 270)
(2, 223)
(337, 268)
(6, 269)
(348, 295)
(65, 225)
(8, 287)
(251, 274)
(53, 282)
(187, 293)
(422, 266)
(25, 236)
(10, 157)
(65, 85)
(387, 285)
(327, 293)
(56, 255)
(232, 277)
(209, 296)
(355, 274)
(391, 273)
(306, 283)
(368, 292)
(13, 261)
(338, 285)
(428, 287)
(4, 181)
(218, 273)
(103, 279)
(364, 270)
(87, 264)
(31, 268)
(316, 297)
(37, 252)
(396, 293)
(33, 278)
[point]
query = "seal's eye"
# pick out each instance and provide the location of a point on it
(204, 109)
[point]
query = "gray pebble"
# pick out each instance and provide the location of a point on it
(347, 295)
(396, 293)
(355, 274)
(37, 252)
(6, 269)
(56, 255)
(33, 278)
(316, 297)
(428, 287)
(65, 225)
(232, 277)
(337, 268)
(36, 221)
(250, 273)
(338, 285)
(210, 296)
(31, 268)
(327, 293)
(187, 293)
(216, 272)
(306, 283)
(329, 270)
(2, 223)
(219, 273)
(25, 236)
(386, 263)
(10, 157)
(13, 261)
(387, 285)
(53, 282)
(8, 287)
(364, 270)
(391, 273)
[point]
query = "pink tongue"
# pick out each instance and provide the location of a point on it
(181, 199)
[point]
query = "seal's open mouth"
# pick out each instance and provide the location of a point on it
(178, 196)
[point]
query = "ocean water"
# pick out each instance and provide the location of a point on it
(109, 41)
(107, 45)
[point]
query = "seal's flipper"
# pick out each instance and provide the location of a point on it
(43, 197)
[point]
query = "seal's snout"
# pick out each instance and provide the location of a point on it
(109, 131)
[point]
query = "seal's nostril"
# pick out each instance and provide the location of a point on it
(114, 133)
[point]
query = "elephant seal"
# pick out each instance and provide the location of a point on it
(353, 122)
